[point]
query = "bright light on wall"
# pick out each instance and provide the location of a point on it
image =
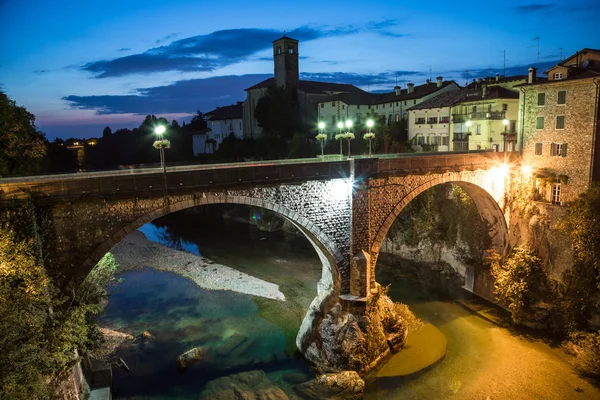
(340, 189)
(526, 170)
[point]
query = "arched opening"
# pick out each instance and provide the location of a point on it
(268, 317)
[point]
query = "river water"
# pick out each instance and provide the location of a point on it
(482, 360)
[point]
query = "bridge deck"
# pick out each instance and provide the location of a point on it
(140, 181)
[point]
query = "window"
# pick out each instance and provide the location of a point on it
(474, 109)
(291, 50)
(478, 130)
(396, 104)
(333, 120)
(358, 106)
(513, 126)
(496, 147)
(390, 119)
(420, 120)
(541, 99)
(404, 102)
(369, 106)
(383, 105)
(333, 104)
(445, 120)
(397, 117)
(435, 140)
(562, 97)
(539, 123)
(278, 49)
(558, 75)
(489, 108)
(420, 140)
(432, 120)
(343, 107)
(322, 105)
(414, 102)
(240, 125)
(504, 107)
(445, 140)
(560, 122)
(558, 149)
(556, 193)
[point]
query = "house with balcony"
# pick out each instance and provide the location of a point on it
(485, 119)
(559, 132)
(429, 122)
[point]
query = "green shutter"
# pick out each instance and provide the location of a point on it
(564, 150)
(553, 149)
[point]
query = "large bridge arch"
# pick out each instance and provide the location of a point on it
(332, 275)
(486, 189)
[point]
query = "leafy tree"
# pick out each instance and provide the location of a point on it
(22, 146)
(41, 328)
(278, 114)
(520, 281)
(106, 133)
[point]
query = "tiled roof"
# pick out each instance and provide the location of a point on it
(235, 111)
(491, 80)
(312, 87)
(493, 92)
(446, 99)
(285, 37)
(418, 92)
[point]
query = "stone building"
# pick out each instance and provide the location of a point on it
(286, 74)
(559, 127)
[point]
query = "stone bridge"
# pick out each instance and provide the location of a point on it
(344, 208)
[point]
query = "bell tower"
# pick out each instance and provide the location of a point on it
(285, 58)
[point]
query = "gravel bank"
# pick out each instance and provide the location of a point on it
(135, 251)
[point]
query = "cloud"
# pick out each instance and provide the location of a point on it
(534, 8)
(217, 49)
(40, 71)
(167, 38)
(124, 49)
(380, 79)
(185, 96)
(475, 73)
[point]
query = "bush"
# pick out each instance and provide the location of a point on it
(520, 282)
(413, 323)
(586, 346)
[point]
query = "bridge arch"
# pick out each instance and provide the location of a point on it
(486, 193)
(332, 276)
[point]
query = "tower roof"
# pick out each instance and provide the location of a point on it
(286, 38)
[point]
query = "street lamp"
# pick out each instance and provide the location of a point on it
(321, 136)
(349, 135)
(340, 135)
(370, 124)
(159, 130)
(505, 123)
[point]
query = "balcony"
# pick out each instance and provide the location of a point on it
(444, 120)
(432, 120)
(491, 115)
(461, 136)
(419, 121)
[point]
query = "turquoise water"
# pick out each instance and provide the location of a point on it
(180, 315)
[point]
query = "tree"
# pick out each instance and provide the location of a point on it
(106, 133)
(22, 147)
(277, 113)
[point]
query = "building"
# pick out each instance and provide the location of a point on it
(392, 106)
(429, 122)
(221, 122)
(486, 119)
(286, 74)
(559, 131)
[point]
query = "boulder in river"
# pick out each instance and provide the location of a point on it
(252, 385)
(190, 357)
(345, 385)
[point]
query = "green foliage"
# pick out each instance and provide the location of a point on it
(41, 328)
(444, 215)
(583, 224)
(520, 281)
(22, 146)
(586, 346)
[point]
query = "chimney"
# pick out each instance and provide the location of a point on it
(532, 75)
(428, 80)
(398, 90)
(411, 87)
(440, 80)
(497, 77)
(484, 90)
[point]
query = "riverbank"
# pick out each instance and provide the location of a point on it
(135, 252)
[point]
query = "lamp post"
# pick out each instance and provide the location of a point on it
(505, 122)
(369, 136)
(321, 136)
(159, 130)
(340, 136)
(349, 135)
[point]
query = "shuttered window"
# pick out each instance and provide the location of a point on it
(541, 99)
(560, 122)
(539, 123)
(562, 97)
(538, 149)
(558, 149)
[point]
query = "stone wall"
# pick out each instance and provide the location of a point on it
(578, 133)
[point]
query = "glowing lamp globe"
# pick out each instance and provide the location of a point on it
(340, 124)
(321, 125)
(370, 123)
(348, 124)
(159, 130)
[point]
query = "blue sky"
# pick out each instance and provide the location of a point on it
(82, 65)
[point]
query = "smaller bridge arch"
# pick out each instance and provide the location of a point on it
(486, 190)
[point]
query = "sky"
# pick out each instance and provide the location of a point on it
(81, 65)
